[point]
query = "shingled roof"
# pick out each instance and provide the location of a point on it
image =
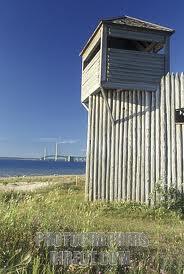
(138, 23)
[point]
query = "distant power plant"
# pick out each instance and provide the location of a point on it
(58, 157)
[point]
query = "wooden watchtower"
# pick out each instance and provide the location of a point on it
(123, 63)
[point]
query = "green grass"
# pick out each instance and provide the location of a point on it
(61, 208)
(42, 179)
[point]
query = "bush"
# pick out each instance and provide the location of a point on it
(169, 198)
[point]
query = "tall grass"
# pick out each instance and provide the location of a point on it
(61, 208)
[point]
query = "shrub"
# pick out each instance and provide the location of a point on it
(170, 198)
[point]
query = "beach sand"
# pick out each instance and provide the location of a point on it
(31, 183)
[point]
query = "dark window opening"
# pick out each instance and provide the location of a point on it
(128, 44)
(92, 55)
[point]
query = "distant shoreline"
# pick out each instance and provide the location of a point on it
(18, 158)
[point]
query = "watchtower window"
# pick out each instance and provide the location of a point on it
(95, 50)
(128, 44)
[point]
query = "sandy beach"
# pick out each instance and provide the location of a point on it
(31, 183)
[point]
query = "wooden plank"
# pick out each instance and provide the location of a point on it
(118, 71)
(121, 152)
(100, 146)
(138, 62)
(167, 54)
(112, 167)
(182, 105)
(139, 147)
(125, 147)
(109, 124)
(178, 133)
(94, 61)
(131, 85)
(173, 131)
(134, 147)
(113, 59)
(86, 92)
(116, 31)
(132, 53)
(120, 78)
(147, 147)
(104, 149)
(88, 152)
(157, 133)
(91, 78)
(103, 54)
(143, 150)
(87, 73)
(130, 152)
(163, 134)
(91, 180)
(132, 66)
(94, 41)
(96, 141)
(153, 145)
(117, 122)
(169, 136)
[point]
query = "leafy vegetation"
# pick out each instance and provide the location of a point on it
(61, 208)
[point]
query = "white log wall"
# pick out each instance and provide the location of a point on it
(142, 148)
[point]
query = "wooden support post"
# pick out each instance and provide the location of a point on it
(178, 133)
(100, 147)
(182, 106)
(173, 131)
(163, 134)
(147, 146)
(95, 182)
(169, 123)
(108, 147)
(117, 122)
(129, 144)
(134, 148)
(91, 180)
(125, 147)
(157, 133)
(153, 145)
(139, 147)
(112, 164)
(143, 149)
(121, 152)
(88, 152)
(104, 148)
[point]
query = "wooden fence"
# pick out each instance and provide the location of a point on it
(142, 147)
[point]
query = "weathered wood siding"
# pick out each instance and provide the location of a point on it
(134, 69)
(91, 77)
(144, 146)
(117, 31)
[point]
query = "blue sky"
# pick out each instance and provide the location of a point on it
(40, 67)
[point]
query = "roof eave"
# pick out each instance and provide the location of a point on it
(167, 29)
(91, 37)
(168, 32)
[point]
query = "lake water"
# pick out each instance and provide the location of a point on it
(20, 167)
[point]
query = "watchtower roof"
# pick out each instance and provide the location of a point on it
(131, 22)
(138, 23)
